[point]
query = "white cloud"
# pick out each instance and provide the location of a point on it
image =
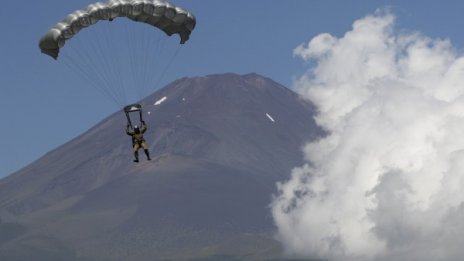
(387, 183)
(319, 46)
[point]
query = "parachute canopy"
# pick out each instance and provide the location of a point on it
(160, 14)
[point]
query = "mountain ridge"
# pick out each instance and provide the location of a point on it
(219, 144)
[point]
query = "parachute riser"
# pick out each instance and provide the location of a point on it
(129, 122)
(133, 108)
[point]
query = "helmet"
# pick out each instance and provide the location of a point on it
(136, 129)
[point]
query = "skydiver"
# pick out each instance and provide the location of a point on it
(138, 140)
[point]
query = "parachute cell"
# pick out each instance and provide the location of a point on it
(163, 15)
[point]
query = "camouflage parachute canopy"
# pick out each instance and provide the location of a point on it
(163, 15)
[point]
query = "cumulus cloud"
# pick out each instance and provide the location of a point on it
(387, 182)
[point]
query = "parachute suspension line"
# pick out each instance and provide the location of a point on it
(146, 58)
(89, 66)
(96, 58)
(94, 81)
(107, 67)
(88, 59)
(151, 72)
(145, 48)
(82, 64)
(115, 63)
(168, 65)
(134, 58)
(142, 45)
(103, 61)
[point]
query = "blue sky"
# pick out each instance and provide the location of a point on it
(42, 105)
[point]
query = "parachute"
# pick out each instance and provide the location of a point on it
(162, 15)
(122, 57)
(96, 60)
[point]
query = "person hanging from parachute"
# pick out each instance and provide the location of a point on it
(136, 132)
(138, 141)
(161, 15)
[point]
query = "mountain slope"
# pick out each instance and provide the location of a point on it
(219, 143)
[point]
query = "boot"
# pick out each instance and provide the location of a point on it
(136, 155)
(148, 154)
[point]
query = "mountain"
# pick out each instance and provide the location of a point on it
(219, 144)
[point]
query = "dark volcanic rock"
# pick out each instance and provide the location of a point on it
(219, 143)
